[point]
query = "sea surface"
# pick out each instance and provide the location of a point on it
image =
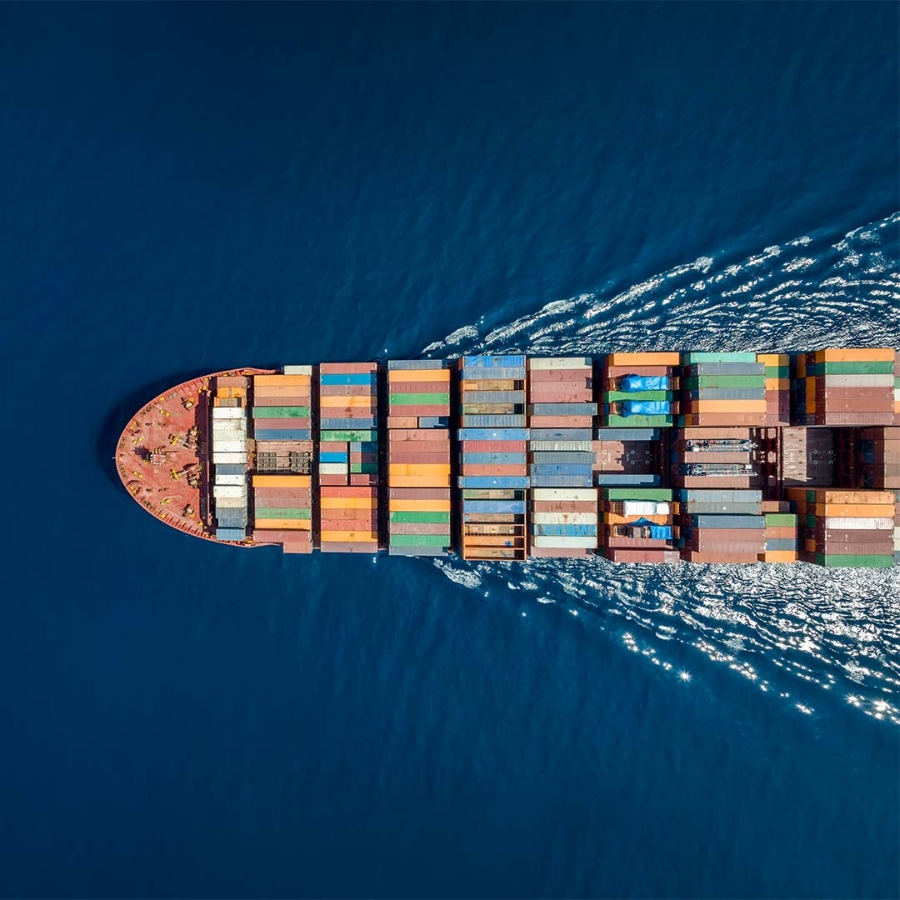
(185, 188)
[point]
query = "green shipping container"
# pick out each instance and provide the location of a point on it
(420, 517)
(418, 399)
(348, 436)
(363, 468)
(484, 494)
(778, 371)
(640, 421)
(420, 540)
(282, 512)
(854, 368)
(688, 359)
(280, 412)
(638, 493)
(726, 381)
(613, 396)
(863, 561)
(780, 520)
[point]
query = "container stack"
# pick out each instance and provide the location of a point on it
(348, 457)
(841, 528)
(639, 524)
(493, 427)
(723, 389)
(722, 526)
(418, 457)
(853, 387)
(282, 423)
(229, 456)
(282, 511)
(897, 387)
(638, 390)
(780, 539)
(778, 387)
(561, 413)
(878, 462)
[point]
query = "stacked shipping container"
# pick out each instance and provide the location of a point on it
(722, 526)
(845, 528)
(639, 524)
(723, 389)
(282, 511)
(638, 390)
(348, 457)
(561, 412)
(845, 387)
(780, 539)
(778, 387)
(229, 457)
(493, 465)
(879, 458)
(418, 457)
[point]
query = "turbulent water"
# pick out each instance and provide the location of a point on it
(809, 636)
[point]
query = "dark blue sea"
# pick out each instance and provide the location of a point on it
(186, 188)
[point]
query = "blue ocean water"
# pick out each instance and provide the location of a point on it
(191, 187)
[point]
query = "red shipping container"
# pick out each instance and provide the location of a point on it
(348, 492)
(415, 434)
(332, 480)
(619, 371)
(494, 470)
(620, 554)
(282, 401)
(422, 458)
(348, 390)
(560, 552)
(420, 446)
(272, 536)
(441, 409)
(724, 558)
(266, 424)
(493, 446)
(573, 396)
(360, 480)
(349, 547)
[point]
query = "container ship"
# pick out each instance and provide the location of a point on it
(639, 457)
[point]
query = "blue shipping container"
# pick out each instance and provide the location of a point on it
(493, 507)
(627, 434)
(561, 469)
(494, 459)
(565, 530)
(361, 378)
(502, 482)
(494, 362)
(230, 534)
(230, 469)
(480, 374)
(547, 481)
(333, 457)
(282, 434)
(492, 434)
(605, 479)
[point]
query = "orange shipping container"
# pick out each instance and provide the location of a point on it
(401, 422)
(845, 354)
(728, 406)
(644, 359)
(348, 502)
(416, 469)
(287, 390)
(349, 536)
(855, 511)
(282, 524)
(778, 556)
(278, 380)
(420, 506)
(420, 481)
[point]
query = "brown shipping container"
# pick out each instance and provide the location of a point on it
(425, 411)
(469, 386)
(571, 396)
(350, 547)
(493, 446)
(718, 482)
(262, 424)
(857, 418)
(563, 506)
(401, 422)
(709, 420)
(418, 447)
(281, 401)
(354, 368)
(419, 494)
(333, 480)
(724, 558)
(350, 492)
(874, 548)
(415, 434)
(560, 552)
(780, 532)
(620, 554)
(267, 536)
(360, 480)
(636, 543)
(347, 390)
(341, 524)
(561, 421)
(577, 377)
(707, 433)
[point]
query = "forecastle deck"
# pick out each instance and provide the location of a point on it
(640, 457)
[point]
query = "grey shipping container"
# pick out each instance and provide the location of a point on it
(471, 397)
(744, 393)
(230, 469)
(558, 446)
(613, 479)
(627, 434)
(365, 423)
(561, 469)
(562, 409)
(230, 534)
(417, 364)
(493, 434)
(564, 457)
(701, 495)
(781, 544)
(434, 422)
(416, 551)
(560, 434)
(726, 509)
(730, 521)
(492, 507)
(495, 422)
(701, 369)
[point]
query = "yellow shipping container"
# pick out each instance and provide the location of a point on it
(773, 359)
(420, 506)
(405, 375)
(351, 537)
(419, 469)
(286, 481)
(778, 556)
(345, 402)
(847, 354)
(644, 359)
(778, 384)
(276, 380)
(349, 502)
(855, 510)
(296, 524)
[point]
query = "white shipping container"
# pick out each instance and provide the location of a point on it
(563, 518)
(231, 503)
(229, 412)
(645, 508)
(538, 541)
(835, 523)
(564, 494)
(236, 427)
(229, 446)
(896, 395)
(229, 459)
(846, 381)
(334, 468)
(229, 490)
(298, 370)
(556, 446)
(231, 479)
(561, 362)
(896, 539)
